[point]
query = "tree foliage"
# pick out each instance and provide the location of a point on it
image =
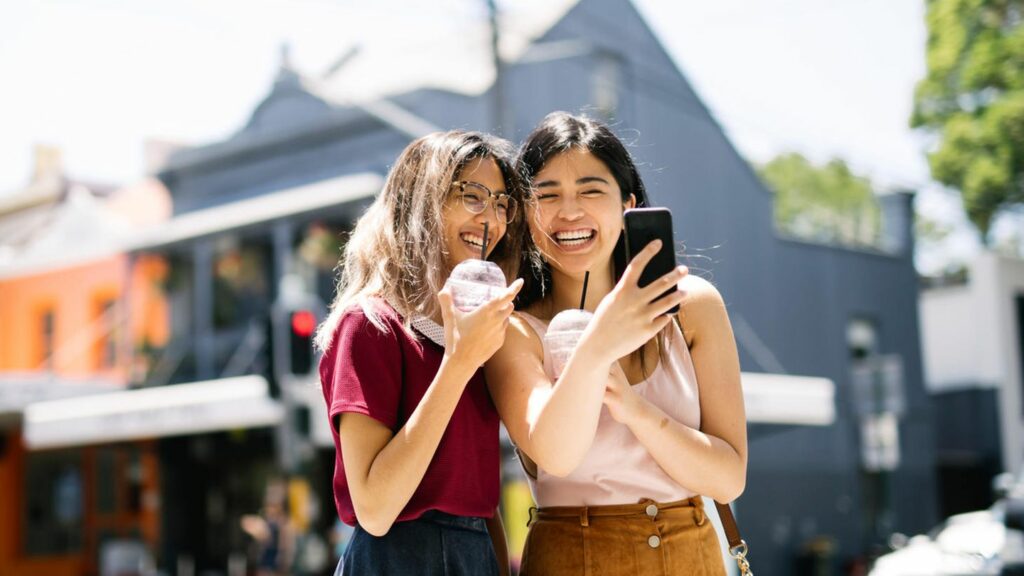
(822, 203)
(972, 99)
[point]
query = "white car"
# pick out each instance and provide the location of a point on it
(972, 543)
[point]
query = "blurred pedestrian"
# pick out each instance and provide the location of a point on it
(645, 416)
(274, 537)
(415, 430)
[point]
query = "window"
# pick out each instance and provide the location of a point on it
(241, 285)
(605, 82)
(47, 327)
(53, 505)
(107, 334)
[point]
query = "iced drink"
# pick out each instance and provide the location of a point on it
(563, 333)
(474, 282)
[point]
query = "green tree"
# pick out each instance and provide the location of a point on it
(972, 99)
(822, 203)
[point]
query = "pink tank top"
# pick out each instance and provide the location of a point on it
(618, 469)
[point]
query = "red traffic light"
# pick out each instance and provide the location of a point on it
(303, 323)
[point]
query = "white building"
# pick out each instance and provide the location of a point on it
(973, 344)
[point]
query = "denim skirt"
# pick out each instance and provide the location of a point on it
(435, 544)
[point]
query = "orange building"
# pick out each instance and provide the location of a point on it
(75, 319)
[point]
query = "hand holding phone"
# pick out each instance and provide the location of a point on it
(642, 226)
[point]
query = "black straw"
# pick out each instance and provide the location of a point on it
(483, 249)
(583, 298)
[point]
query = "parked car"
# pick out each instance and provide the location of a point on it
(989, 542)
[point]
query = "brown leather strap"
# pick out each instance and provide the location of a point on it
(732, 532)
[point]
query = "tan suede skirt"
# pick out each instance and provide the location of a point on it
(647, 538)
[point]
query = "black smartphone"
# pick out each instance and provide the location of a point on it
(643, 226)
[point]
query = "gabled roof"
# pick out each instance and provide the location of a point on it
(450, 59)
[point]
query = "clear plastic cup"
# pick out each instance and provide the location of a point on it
(563, 334)
(474, 282)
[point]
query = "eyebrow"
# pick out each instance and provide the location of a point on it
(580, 182)
(498, 192)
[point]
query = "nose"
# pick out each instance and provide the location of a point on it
(569, 209)
(495, 225)
(489, 215)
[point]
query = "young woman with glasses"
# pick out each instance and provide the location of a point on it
(648, 413)
(415, 429)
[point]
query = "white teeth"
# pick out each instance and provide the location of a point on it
(574, 237)
(472, 239)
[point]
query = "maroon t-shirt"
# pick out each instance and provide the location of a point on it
(384, 376)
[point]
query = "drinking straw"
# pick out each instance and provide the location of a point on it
(583, 298)
(483, 249)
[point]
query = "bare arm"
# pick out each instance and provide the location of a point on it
(554, 429)
(496, 528)
(712, 460)
(384, 470)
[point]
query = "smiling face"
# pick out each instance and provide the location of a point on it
(464, 231)
(577, 214)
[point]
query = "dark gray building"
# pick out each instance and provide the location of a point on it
(833, 489)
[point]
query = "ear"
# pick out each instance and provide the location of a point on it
(631, 203)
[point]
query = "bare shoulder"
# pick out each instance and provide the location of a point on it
(522, 348)
(702, 308)
(520, 338)
(519, 327)
(700, 294)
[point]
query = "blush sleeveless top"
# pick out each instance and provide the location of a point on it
(618, 469)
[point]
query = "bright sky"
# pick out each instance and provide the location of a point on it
(96, 77)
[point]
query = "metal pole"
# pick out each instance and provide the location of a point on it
(498, 98)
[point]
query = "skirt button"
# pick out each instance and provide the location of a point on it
(654, 541)
(652, 510)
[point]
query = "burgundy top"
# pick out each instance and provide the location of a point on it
(384, 376)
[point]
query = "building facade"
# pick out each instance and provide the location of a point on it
(972, 333)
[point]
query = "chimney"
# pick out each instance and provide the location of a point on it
(898, 222)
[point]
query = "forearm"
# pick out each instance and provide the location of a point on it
(496, 528)
(399, 467)
(703, 463)
(564, 427)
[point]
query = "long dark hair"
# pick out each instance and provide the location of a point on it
(560, 132)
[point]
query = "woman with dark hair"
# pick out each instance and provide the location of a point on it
(415, 430)
(645, 416)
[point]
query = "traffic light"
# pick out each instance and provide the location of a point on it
(302, 325)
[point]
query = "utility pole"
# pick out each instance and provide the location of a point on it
(498, 115)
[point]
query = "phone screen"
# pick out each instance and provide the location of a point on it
(643, 225)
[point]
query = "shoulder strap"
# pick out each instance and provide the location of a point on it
(737, 547)
(732, 531)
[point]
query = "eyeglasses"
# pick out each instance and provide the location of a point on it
(475, 197)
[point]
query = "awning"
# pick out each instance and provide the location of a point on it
(308, 198)
(785, 399)
(172, 410)
(19, 390)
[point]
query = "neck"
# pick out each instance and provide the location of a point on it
(567, 289)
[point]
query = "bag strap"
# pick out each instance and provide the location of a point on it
(737, 546)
